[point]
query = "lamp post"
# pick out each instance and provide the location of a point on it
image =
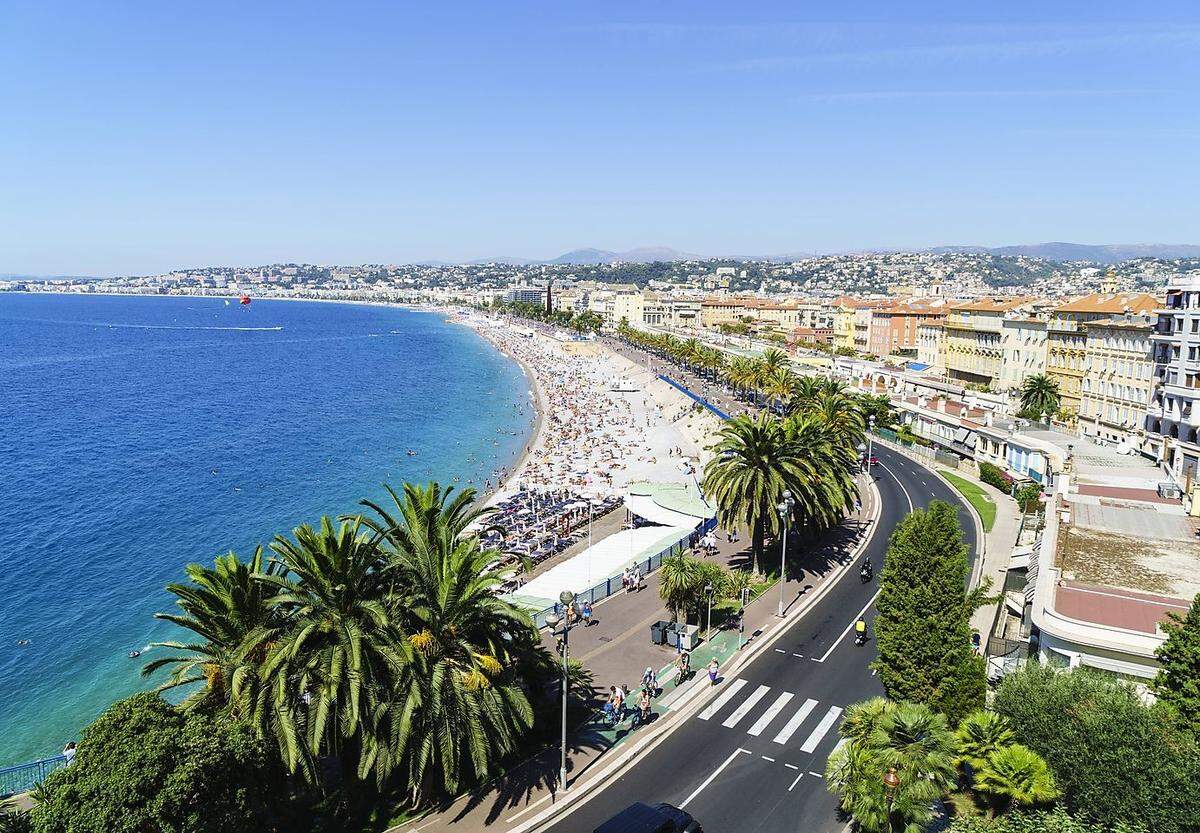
(862, 454)
(785, 515)
(891, 782)
(567, 598)
(870, 441)
(708, 589)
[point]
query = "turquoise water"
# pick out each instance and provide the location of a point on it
(140, 434)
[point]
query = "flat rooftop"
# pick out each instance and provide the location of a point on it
(1120, 609)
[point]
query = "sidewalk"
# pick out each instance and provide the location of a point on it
(616, 649)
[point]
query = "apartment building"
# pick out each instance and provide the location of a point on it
(974, 352)
(893, 330)
(1023, 342)
(931, 344)
(1119, 381)
(619, 303)
(1066, 338)
(1172, 419)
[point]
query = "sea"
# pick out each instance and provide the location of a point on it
(140, 434)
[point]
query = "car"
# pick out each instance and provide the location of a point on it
(646, 818)
(872, 461)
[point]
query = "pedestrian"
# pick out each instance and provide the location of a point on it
(610, 709)
(713, 667)
(618, 704)
(587, 614)
(641, 580)
(69, 753)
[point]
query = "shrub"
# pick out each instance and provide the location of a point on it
(995, 476)
(1115, 758)
(1029, 497)
(145, 765)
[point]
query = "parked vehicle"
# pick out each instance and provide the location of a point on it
(646, 818)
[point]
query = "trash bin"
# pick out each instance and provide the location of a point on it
(658, 632)
(687, 637)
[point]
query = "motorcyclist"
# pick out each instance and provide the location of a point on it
(867, 570)
(860, 631)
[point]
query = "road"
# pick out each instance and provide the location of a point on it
(753, 759)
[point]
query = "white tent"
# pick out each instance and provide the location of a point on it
(644, 507)
(603, 560)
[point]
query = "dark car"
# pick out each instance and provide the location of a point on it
(643, 818)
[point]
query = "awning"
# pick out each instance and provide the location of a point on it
(644, 507)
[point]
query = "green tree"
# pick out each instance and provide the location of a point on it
(1039, 395)
(754, 463)
(923, 623)
(1178, 680)
(1046, 821)
(458, 705)
(1015, 775)
(332, 668)
(907, 738)
(678, 578)
(979, 735)
(1115, 758)
(144, 765)
(228, 606)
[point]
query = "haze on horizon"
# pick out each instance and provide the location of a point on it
(144, 137)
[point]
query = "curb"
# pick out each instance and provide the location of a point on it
(583, 792)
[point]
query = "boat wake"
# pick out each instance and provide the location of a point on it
(186, 327)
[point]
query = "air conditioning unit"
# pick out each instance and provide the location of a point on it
(1170, 491)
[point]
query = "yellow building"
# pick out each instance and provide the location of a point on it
(974, 340)
(1117, 388)
(1067, 343)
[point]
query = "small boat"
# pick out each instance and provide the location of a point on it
(411, 453)
(134, 654)
(244, 300)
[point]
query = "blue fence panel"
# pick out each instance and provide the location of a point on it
(694, 396)
(24, 777)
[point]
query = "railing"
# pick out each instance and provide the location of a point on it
(24, 777)
(613, 583)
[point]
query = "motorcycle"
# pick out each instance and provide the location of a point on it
(866, 574)
(860, 638)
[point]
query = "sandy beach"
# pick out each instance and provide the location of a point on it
(590, 438)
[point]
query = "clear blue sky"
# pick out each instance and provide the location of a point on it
(137, 137)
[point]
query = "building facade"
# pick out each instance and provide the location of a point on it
(1172, 418)
(974, 352)
(1023, 340)
(1119, 381)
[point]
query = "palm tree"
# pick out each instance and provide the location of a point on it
(678, 580)
(979, 735)
(1039, 395)
(229, 607)
(907, 738)
(823, 482)
(1015, 775)
(842, 417)
(778, 384)
(773, 359)
(458, 704)
(754, 463)
(335, 664)
(806, 392)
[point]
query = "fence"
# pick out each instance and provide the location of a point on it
(24, 777)
(607, 587)
(923, 453)
(697, 397)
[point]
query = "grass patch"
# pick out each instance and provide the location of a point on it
(976, 497)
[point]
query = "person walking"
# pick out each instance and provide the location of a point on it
(641, 580)
(587, 614)
(713, 668)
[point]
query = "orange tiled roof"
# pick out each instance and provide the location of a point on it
(1139, 302)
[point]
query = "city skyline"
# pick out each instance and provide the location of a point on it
(142, 140)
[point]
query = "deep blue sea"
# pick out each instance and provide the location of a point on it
(138, 434)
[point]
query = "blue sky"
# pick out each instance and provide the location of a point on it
(137, 137)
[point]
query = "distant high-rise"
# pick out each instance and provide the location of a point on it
(550, 295)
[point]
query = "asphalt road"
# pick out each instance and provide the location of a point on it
(752, 760)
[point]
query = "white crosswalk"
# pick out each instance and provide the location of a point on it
(782, 702)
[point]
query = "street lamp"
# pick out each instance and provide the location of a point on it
(567, 598)
(708, 588)
(862, 454)
(891, 782)
(785, 515)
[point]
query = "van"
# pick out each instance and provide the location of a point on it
(644, 818)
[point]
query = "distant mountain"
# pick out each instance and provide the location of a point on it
(1111, 253)
(645, 254)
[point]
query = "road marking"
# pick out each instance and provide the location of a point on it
(770, 714)
(873, 670)
(794, 724)
(791, 766)
(824, 726)
(780, 651)
(714, 774)
(798, 655)
(907, 496)
(765, 758)
(842, 636)
(819, 775)
(797, 781)
(744, 709)
(720, 702)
